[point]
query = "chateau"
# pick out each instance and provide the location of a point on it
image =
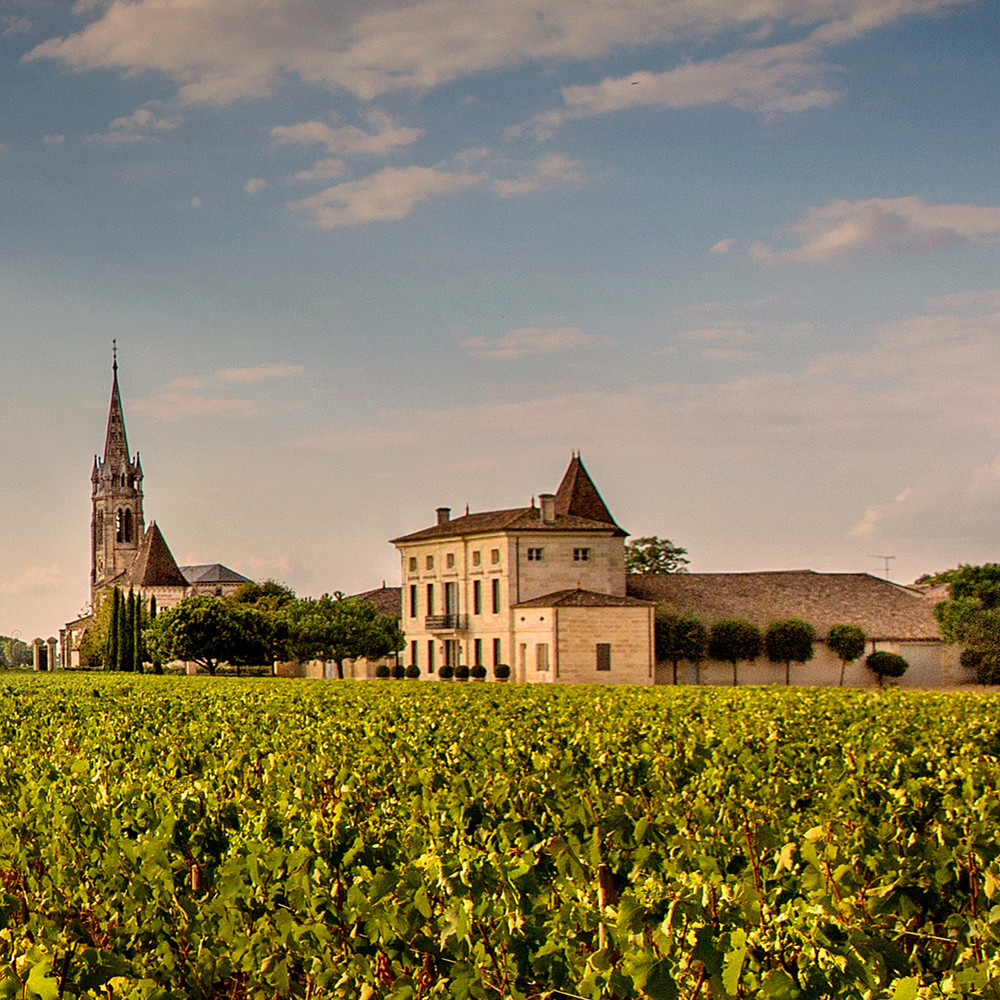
(124, 553)
(539, 588)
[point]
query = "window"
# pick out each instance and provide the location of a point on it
(449, 560)
(542, 657)
(413, 564)
(477, 597)
(452, 652)
(413, 653)
(534, 555)
(494, 556)
(477, 652)
(477, 558)
(496, 596)
(604, 656)
(581, 555)
(451, 598)
(496, 652)
(413, 600)
(429, 562)
(430, 598)
(430, 656)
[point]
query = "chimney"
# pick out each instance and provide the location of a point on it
(548, 502)
(444, 515)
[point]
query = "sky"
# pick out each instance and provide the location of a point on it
(366, 259)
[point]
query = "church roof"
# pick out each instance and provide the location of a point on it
(212, 573)
(154, 565)
(116, 440)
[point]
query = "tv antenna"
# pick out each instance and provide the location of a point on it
(886, 560)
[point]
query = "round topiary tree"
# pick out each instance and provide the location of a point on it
(477, 672)
(884, 664)
(398, 671)
(501, 671)
(446, 673)
(382, 671)
(787, 640)
(461, 673)
(412, 671)
(847, 643)
(735, 639)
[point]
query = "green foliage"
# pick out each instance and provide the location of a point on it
(406, 841)
(501, 671)
(461, 673)
(654, 555)
(446, 673)
(980, 582)
(847, 643)
(884, 664)
(209, 631)
(972, 619)
(14, 652)
(382, 671)
(477, 672)
(680, 637)
(413, 671)
(789, 640)
(735, 639)
(338, 628)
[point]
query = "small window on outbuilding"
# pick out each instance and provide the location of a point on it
(604, 656)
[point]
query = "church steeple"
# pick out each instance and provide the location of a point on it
(117, 522)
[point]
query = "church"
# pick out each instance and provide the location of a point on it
(124, 552)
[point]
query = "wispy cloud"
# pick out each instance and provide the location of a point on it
(533, 340)
(260, 372)
(344, 140)
(141, 125)
(882, 225)
(180, 405)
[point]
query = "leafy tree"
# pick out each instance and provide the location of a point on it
(787, 640)
(209, 632)
(654, 555)
(680, 637)
(273, 600)
(735, 639)
(847, 642)
(337, 628)
(971, 618)
(884, 664)
(14, 652)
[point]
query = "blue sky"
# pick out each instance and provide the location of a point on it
(367, 259)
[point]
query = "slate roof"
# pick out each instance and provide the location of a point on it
(212, 573)
(388, 600)
(578, 507)
(886, 611)
(583, 599)
(154, 565)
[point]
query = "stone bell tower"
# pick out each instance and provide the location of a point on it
(117, 523)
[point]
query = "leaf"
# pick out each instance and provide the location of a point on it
(732, 964)
(40, 983)
(905, 988)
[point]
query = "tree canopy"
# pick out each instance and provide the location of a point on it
(788, 640)
(654, 555)
(847, 642)
(735, 639)
(971, 618)
(680, 637)
(884, 664)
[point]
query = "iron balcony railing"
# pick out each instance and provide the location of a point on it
(446, 623)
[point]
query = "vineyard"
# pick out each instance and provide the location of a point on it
(197, 838)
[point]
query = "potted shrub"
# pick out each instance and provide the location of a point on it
(382, 671)
(462, 673)
(446, 673)
(412, 671)
(478, 672)
(398, 671)
(501, 671)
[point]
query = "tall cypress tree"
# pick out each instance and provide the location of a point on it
(111, 652)
(127, 634)
(138, 621)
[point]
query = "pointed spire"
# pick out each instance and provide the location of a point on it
(116, 442)
(577, 495)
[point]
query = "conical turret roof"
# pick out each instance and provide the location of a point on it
(154, 564)
(577, 495)
(116, 441)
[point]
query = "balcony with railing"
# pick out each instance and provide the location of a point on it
(446, 623)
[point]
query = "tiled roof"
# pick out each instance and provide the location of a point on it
(583, 599)
(516, 519)
(885, 610)
(212, 573)
(388, 600)
(577, 495)
(154, 565)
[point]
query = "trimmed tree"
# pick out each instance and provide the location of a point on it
(884, 664)
(735, 639)
(847, 643)
(680, 637)
(788, 640)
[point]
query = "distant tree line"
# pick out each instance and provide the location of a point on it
(259, 624)
(14, 652)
